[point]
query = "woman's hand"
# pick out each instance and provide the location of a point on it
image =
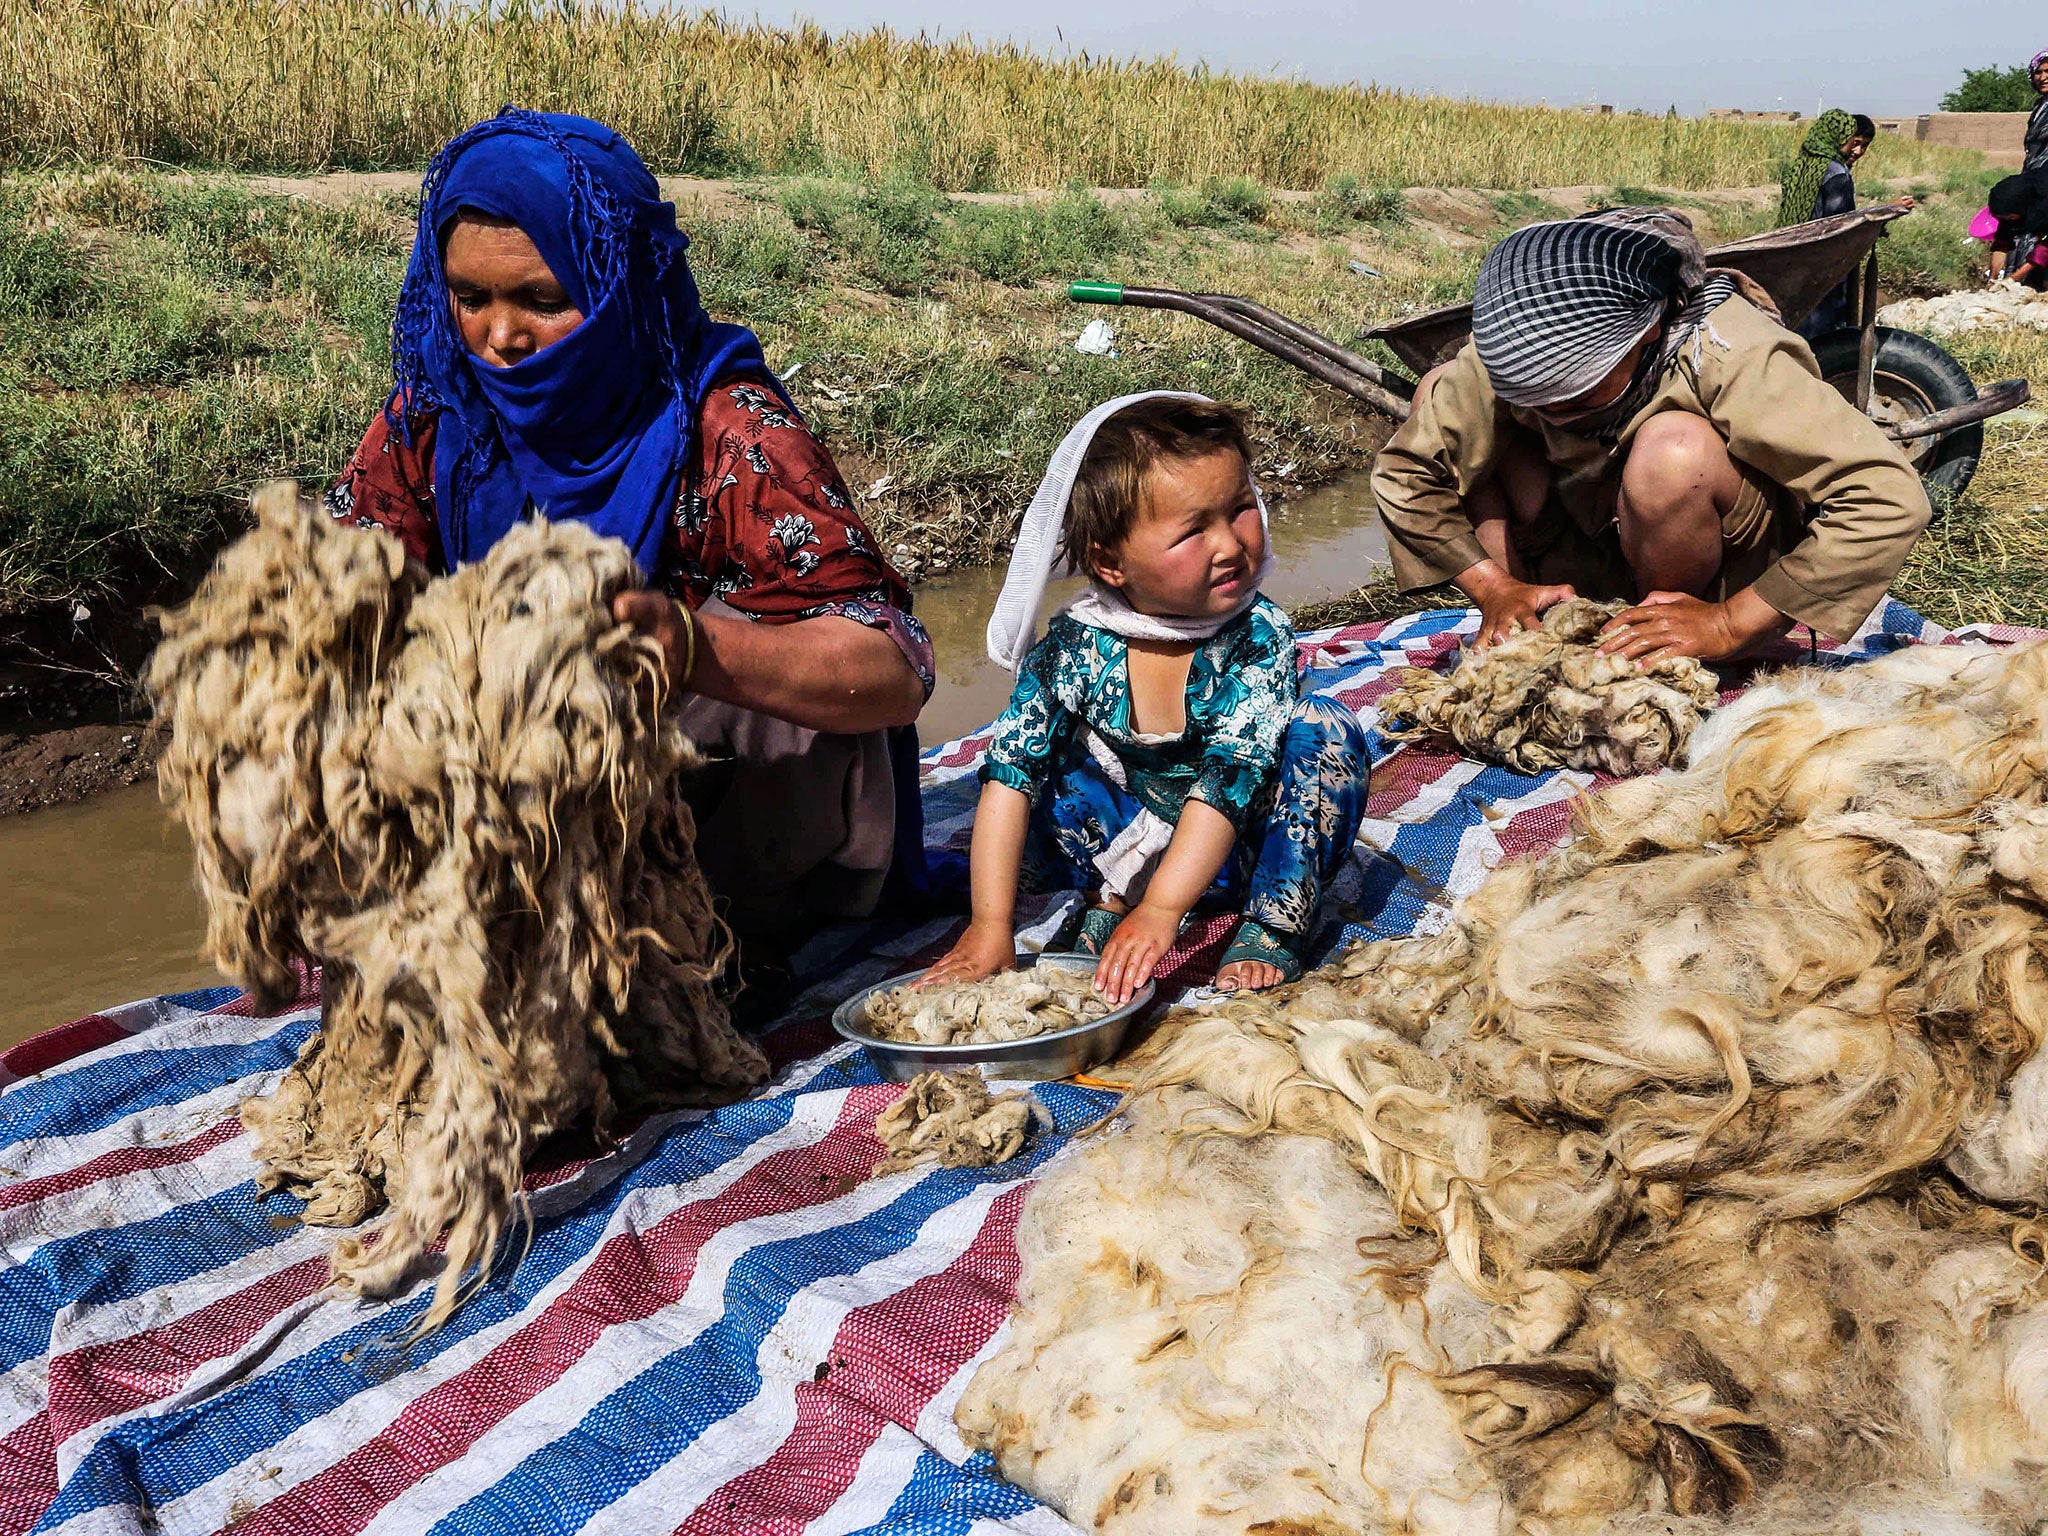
(982, 950)
(827, 673)
(1507, 605)
(655, 616)
(1675, 624)
(1908, 203)
(1134, 951)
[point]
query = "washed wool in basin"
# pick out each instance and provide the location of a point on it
(460, 797)
(1010, 1005)
(1659, 1185)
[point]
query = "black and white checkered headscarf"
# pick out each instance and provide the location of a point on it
(1558, 305)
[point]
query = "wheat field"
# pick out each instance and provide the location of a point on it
(288, 85)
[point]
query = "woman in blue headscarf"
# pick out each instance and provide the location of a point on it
(551, 356)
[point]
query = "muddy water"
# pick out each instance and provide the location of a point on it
(96, 908)
(96, 900)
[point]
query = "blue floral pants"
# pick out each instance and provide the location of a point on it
(1300, 830)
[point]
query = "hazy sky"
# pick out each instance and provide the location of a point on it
(1883, 56)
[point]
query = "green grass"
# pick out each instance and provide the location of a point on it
(1630, 197)
(1927, 252)
(1518, 208)
(1986, 559)
(149, 376)
(1219, 203)
(166, 342)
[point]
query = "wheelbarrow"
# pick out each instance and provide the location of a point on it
(1922, 397)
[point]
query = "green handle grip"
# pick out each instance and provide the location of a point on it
(1085, 291)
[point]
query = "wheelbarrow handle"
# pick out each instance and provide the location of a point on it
(1085, 291)
(2006, 395)
(1222, 311)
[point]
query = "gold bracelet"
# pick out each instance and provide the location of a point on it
(689, 643)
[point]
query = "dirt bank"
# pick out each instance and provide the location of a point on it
(62, 765)
(73, 723)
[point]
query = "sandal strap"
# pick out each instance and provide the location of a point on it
(1097, 924)
(1255, 942)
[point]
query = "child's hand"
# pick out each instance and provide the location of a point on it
(1134, 951)
(980, 951)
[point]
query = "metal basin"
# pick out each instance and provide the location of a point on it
(1040, 1058)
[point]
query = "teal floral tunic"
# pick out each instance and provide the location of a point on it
(1242, 689)
(1289, 772)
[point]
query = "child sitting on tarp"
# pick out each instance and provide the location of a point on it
(1155, 751)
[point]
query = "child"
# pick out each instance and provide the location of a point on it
(1155, 750)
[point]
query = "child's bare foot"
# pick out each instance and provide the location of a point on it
(1248, 976)
(1257, 959)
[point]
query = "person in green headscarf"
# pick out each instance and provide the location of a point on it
(1818, 183)
(1822, 148)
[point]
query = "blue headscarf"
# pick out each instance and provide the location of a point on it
(599, 426)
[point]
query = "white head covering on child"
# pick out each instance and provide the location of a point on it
(1014, 625)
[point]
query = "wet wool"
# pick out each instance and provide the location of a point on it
(1691, 1172)
(460, 798)
(1010, 1005)
(951, 1119)
(1546, 698)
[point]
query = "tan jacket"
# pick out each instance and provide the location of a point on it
(1763, 393)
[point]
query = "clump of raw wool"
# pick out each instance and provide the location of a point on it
(949, 1118)
(1695, 1169)
(1546, 698)
(460, 798)
(2004, 306)
(1011, 1005)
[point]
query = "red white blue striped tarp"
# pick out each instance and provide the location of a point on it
(722, 1326)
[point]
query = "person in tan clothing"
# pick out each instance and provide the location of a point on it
(1626, 424)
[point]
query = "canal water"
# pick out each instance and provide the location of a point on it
(96, 900)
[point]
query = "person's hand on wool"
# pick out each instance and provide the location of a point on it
(655, 615)
(1507, 605)
(1134, 951)
(981, 951)
(1677, 624)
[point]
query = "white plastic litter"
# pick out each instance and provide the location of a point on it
(1097, 339)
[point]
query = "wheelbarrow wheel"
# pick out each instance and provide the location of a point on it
(1914, 377)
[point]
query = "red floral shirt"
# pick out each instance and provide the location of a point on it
(768, 528)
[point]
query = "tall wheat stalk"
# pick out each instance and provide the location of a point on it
(310, 84)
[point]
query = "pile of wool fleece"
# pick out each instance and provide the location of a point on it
(460, 798)
(950, 1118)
(1695, 1169)
(2004, 306)
(1546, 698)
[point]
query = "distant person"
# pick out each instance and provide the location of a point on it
(2035, 146)
(552, 357)
(1625, 424)
(1820, 182)
(1156, 751)
(2019, 207)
